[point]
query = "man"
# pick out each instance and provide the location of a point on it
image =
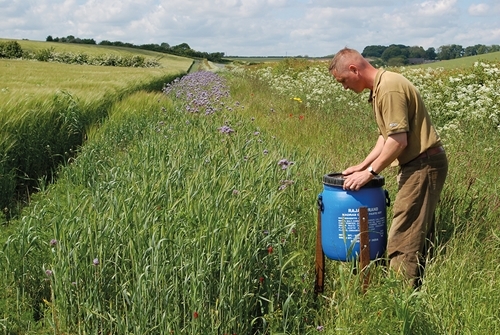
(407, 138)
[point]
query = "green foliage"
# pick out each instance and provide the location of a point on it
(164, 223)
(10, 49)
(49, 55)
(39, 134)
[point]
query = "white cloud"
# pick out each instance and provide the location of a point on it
(258, 27)
(438, 8)
(479, 9)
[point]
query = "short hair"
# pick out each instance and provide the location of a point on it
(342, 59)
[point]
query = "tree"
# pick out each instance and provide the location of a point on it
(430, 53)
(470, 51)
(495, 48)
(395, 50)
(49, 39)
(373, 51)
(450, 51)
(481, 49)
(183, 47)
(416, 52)
(11, 49)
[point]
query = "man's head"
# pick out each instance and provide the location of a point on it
(352, 70)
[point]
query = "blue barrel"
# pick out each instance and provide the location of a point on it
(340, 217)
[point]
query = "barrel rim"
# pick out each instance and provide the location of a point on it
(337, 179)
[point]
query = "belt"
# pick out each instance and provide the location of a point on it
(430, 152)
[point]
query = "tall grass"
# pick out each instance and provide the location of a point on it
(168, 222)
(46, 110)
(459, 280)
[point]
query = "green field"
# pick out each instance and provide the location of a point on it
(463, 62)
(46, 109)
(177, 215)
(166, 59)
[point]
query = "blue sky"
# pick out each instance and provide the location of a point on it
(258, 27)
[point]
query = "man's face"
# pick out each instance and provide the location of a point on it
(349, 79)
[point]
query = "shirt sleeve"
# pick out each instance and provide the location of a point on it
(395, 112)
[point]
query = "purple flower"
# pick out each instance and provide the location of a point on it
(95, 261)
(48, 273)
(284, 163)
(53, 242)
(225, 130)
(320, 328)
(236, 192)
(256, 133)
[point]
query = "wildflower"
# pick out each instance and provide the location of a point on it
(256, 133)
(236, 192)
(48, 273)
(95, 261)
(53, 242)
(301, 117)
(225, 130)
(265, 232)
(320, 328)
(261, 280)
(270, 250)
(265, 152)
(284, 163)
(195, 315)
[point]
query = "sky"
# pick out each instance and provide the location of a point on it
(312, 28)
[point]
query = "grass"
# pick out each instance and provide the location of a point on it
(163, 224)
(46, 109)
(463, 62)
(24, 80)
(94, 50)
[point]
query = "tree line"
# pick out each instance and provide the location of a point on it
(182, 49)
(399, 54)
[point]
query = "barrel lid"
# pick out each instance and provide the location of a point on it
(337, 179)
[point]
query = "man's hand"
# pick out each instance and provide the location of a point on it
(352, 169)
(356, 180)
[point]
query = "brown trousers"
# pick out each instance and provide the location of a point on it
(420, 183)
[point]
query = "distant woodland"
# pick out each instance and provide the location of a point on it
(182, 49)
(399, 54)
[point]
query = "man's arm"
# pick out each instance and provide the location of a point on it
(369, 159)
(390, 150)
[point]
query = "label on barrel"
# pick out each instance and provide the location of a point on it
(349, 223)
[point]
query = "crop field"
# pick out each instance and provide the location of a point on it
(192, 210)
(90, 49)
(47, 107)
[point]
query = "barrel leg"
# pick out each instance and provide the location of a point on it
(364, 245)
(320, 258)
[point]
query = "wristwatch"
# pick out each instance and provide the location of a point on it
(370, 169)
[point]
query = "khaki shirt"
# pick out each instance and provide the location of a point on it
(398, 107)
